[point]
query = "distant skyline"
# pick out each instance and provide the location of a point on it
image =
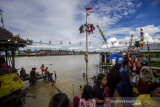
(59, 20)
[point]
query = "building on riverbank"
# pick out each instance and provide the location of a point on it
(154, 50)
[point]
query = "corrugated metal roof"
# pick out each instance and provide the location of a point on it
(154, 46)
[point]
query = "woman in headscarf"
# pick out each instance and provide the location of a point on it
(144, 79)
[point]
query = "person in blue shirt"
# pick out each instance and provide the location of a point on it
(51, 78)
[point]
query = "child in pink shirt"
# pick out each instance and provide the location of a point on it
(87, 97)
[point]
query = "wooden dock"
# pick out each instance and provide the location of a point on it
(37, 77)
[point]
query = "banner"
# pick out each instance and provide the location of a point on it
(142, 38)
(101, 33)
(10, 83)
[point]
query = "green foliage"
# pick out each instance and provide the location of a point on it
(137, 44)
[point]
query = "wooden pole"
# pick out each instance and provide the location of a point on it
(13, 55)
(149, 58)
(73, 90)
(86, 53)
(7, 57)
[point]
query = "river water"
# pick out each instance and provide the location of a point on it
(69, 70)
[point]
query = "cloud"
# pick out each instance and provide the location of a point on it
(104, 46)
(54, 20)
(149, 39)
(141, 15)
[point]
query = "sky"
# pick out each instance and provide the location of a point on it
(59, 20)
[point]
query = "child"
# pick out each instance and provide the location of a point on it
(59, 100)
(42, 68)
(100, 91)
(51, 79)
(87, 97)
(76, 101)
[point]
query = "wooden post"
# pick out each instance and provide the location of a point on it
(149, 58)
(6, 57)
(86, 53)
(13, 55)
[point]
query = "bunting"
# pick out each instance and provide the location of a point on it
(101, 33)
(90, 28)
(112, 43)
(1, 18)
(131, 40)
(40, 42)
(142, 38)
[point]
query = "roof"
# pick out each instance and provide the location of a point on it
(10, 41)
(153, 46)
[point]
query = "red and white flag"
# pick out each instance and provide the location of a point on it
(88, 10)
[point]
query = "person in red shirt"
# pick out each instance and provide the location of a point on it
(32, 73)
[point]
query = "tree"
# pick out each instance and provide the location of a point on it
(137, 44)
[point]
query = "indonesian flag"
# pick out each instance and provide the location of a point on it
(88, 10)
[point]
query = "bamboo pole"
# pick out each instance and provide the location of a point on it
(86, 53)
